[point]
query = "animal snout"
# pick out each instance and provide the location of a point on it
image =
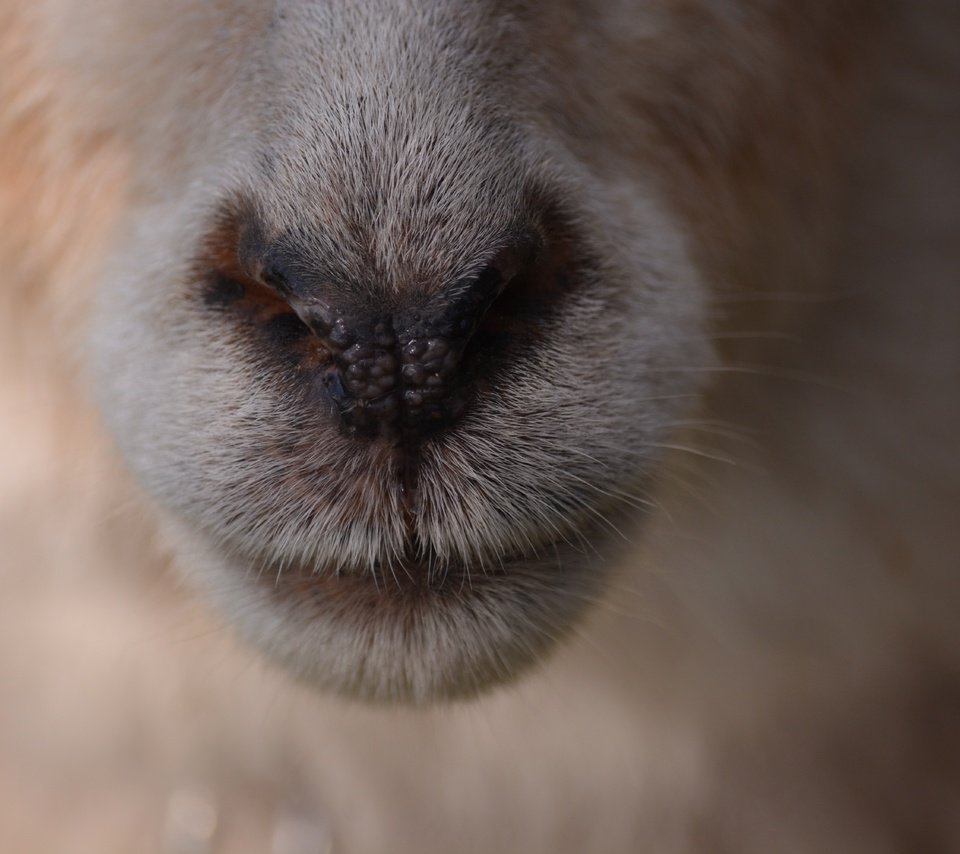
(401, 372)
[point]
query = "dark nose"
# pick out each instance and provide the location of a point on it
(400, 373)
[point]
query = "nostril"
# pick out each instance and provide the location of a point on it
(477, 294)
(401, 366)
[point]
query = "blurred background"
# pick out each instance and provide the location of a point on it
(775, 668)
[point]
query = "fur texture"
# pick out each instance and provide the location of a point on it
(764, 283)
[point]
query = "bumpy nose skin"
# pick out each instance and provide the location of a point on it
(399, 375)
(432, 343)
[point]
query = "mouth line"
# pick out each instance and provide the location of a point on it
(421, 572)
(402, 578)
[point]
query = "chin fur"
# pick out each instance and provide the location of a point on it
(410, 633)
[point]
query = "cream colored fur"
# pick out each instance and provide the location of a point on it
(771, 663)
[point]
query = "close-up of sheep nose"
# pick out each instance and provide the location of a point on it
(400, 373)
